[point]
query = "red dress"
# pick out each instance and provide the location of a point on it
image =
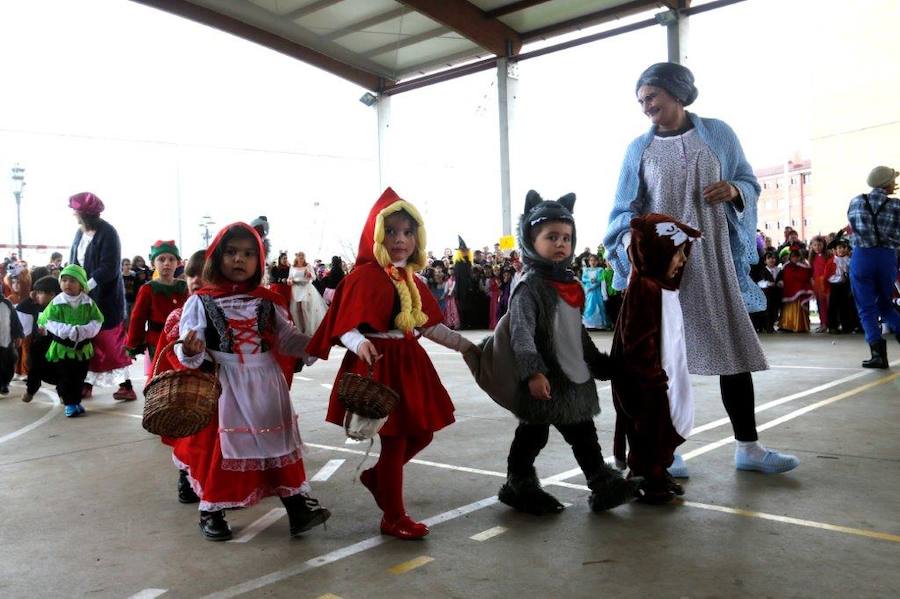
(365, 300)
(201, 457)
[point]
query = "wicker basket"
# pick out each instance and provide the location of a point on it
(179, 403)
(365, 396)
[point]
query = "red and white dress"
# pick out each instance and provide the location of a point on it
(253, 449)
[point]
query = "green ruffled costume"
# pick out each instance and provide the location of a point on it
(79, 315)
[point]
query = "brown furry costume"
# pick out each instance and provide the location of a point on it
(640, 389)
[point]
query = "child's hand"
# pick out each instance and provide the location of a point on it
(191, 345)
(539, 387)
(368, 353)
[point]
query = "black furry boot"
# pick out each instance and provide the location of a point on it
(609, 489)
(525, 494)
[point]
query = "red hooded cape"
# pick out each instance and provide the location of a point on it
(286, 363)
(366, 296)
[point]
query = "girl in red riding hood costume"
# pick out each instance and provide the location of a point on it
(378, 313)
(252, 450)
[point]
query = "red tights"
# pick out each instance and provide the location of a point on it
(395, 452)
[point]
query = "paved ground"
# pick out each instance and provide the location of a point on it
(88, 507)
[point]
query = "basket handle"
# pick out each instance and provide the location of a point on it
(170, 347)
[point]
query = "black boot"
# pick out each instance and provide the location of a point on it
(185, 492)
(879, 355)
(213, 526)
(525, 494)
(304, 513)
(609, 489)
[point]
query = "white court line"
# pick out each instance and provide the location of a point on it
(489, 533)
(558, 479)
(327, 470)
(260, 525)
(54, 410)
(791, 415)
(326, 385)
(148, 594)
(787, 398)
(302, 378)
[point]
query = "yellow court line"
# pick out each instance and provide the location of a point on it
(861, 532)
(791, 415)
(411, 565)
(489, 533)
(328, 596)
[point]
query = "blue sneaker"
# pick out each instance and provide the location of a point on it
(72, 411)
(771, 463)
(80, 409)
(678, 469)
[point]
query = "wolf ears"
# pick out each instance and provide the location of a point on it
(533, 198)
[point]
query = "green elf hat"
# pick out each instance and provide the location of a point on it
(164, 247)
(77, 273)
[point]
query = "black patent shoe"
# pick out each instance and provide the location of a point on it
(304, 513)
(185, 492)
(213, 526)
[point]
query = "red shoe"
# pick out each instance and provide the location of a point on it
(87, 391)
(404, 528)
(367, 478)
(125, 394)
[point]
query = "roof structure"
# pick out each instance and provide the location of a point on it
(388, 46)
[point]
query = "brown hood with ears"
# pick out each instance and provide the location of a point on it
(655, 239)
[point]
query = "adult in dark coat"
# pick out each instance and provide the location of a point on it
(462, 274)
(96, 248)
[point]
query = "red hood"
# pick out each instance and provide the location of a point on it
(373, 232)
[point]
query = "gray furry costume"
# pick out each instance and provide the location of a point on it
(547, 337)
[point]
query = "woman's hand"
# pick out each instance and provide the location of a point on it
(539, 386)
(368, 353)
(723, 191)
(191, 345)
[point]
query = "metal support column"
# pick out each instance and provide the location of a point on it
(383, 108)
(677, 27)
(506, 97)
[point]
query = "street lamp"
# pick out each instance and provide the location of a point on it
(18, 185)
(205, 224)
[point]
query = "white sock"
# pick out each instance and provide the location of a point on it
(751, 449)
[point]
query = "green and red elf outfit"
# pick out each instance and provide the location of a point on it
(71, 322)
(153, 304)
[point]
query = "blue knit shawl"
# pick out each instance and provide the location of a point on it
(736, 170)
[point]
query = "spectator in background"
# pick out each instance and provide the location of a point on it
(875, 224)
(97, 249)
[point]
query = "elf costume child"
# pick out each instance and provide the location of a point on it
(72, 319)
(155, 301)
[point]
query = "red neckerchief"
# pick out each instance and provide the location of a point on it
(571, 292)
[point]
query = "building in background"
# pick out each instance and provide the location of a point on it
(786, 200)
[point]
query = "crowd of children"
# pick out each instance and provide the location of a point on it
(261, 321)
(793, 275)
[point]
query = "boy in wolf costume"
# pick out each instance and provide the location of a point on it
(652, 389)
(555, 364)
